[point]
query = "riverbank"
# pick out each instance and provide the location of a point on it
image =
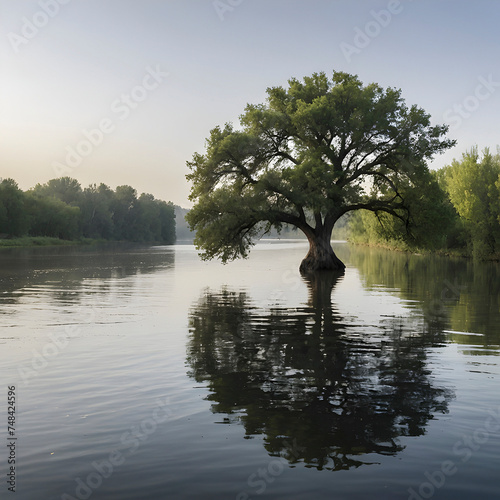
(456, 252)
(47, 241)
(42, 241)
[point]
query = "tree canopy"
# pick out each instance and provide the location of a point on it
(473, 187)
(314, 151)
(460, 213)
(60, 208)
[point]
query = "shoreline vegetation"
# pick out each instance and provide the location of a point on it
(40, 241)
(60, 212)
(458, 215)
(47, 241)
(457, 253)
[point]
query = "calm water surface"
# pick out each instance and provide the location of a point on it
(144, 373)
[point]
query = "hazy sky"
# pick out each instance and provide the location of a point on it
(156, 75)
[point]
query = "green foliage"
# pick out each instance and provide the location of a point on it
(153, 219)
(95, 206)
(35, 241)
(432, 224)
(64, 189)
(473, 188)
(52, 217)
(312, 153)
(458, 209)
(13, 217)
(167, 220)
(124, 209)
(61, 209)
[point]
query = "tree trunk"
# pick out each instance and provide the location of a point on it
(321, 256)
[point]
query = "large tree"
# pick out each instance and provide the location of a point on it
(313, 152)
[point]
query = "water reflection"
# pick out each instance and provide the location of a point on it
(320, 389)
(67, 267)
(456, 295)
(74, 280)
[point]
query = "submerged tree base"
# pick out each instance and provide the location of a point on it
(320, 257)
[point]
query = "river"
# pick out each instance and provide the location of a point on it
(146, 373)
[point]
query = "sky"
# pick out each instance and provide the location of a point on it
(126, 91)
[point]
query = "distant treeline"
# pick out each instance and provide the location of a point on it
(459, 210)
(62, 209)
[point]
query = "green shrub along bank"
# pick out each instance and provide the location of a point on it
(42, 241)
(62, 210)
(458, 212)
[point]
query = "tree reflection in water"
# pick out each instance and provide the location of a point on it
(320, 389)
